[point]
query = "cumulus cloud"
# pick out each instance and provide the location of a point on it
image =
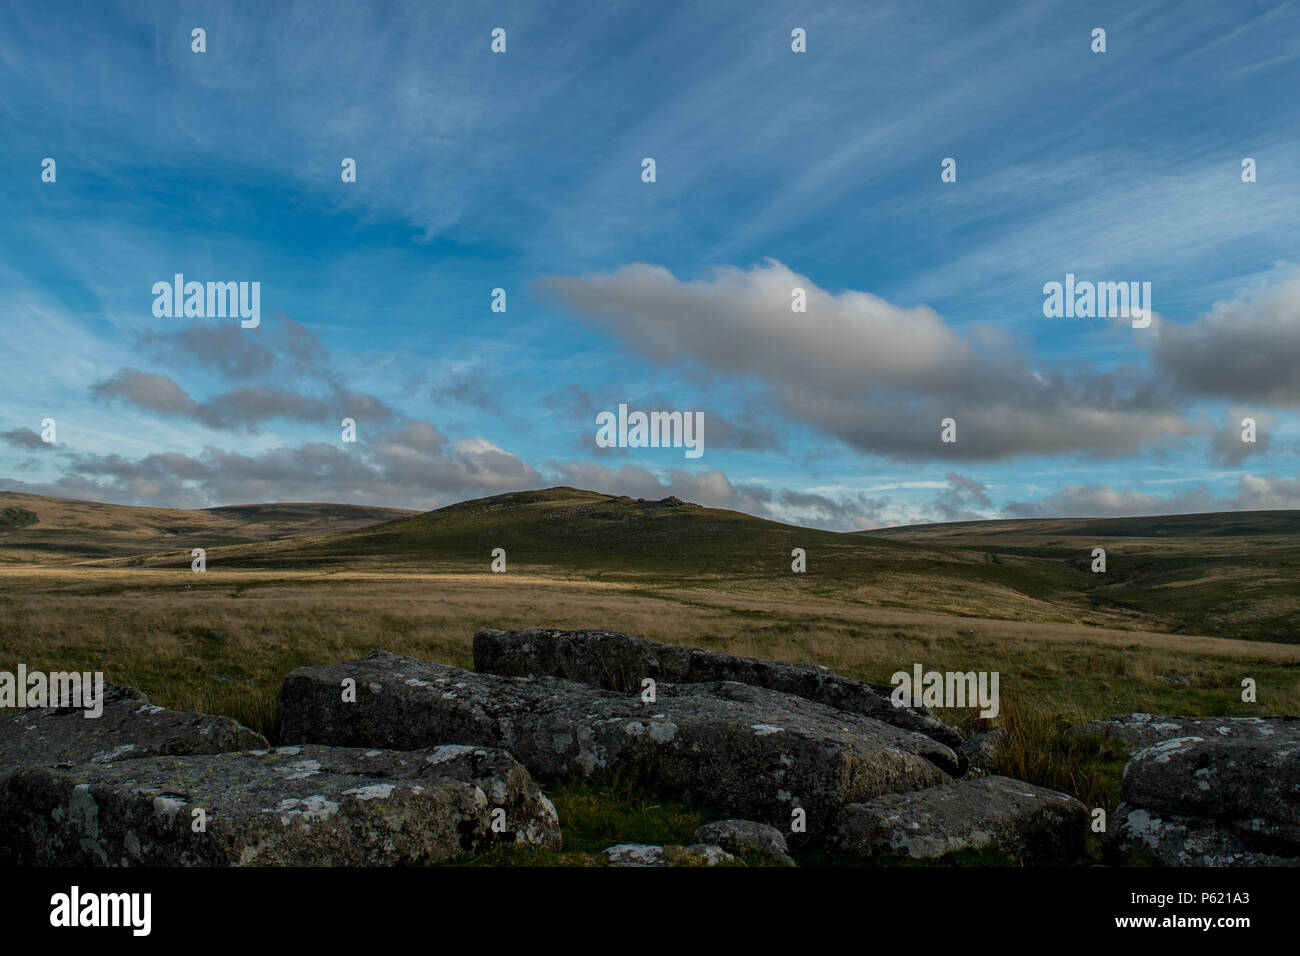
(744, 430)
(1253, 493)
(306, 386)
(878, 376)
(1244, 349)
(855, 511)
(241, 408)
(1226, 446)
(23, 438)
(281, 346)
(411, 465)
(958, 501)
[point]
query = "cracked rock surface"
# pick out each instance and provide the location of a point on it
(297, 806)
(751, 751)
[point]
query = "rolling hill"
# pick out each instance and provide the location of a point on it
(1225, 575)
(1228, 574)
(35, 529)
(672, 543)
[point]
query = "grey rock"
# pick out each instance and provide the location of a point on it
(981, 749)
(129, 727)
(745, 750)
(1139, 731)
(642, 854)
(1186, 841)
(1031, 823)
(620, 662)
(1252, 783)
(737, 835)
(292, 806)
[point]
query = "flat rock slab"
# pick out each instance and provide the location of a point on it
(129, 727)
(644, 854)
(1175, 840)
(620, 662)
(1031, 823)
(746, 750)
(1140, 731)
(297, 806)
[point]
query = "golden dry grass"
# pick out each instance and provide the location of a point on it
(174, 632)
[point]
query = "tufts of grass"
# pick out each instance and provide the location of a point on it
(1035, 748)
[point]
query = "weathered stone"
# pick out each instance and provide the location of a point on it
(129, 727)
(1186, 841)
(738, 835)
(642, 854)
(292, 806)
(1251, 782)
(620, 662)
(981, 749)
(1139, 731)
(1030, 823)
(747, 750)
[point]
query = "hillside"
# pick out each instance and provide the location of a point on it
(36, 529)
(1223, 575)
(671, 543)
(1230, 574)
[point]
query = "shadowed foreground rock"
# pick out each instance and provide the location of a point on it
(734, 836)
(1224, 801)
(1031, 823)
(643, 854)
(747, 750)
(129, 727)
(620, 662)
(1140, 731)
(291, 806)
(1176, 840)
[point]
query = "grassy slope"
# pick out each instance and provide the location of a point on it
(669, 543)
(1234, 575)
(44, 530)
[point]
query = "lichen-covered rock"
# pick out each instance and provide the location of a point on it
(1221, 779)
(1030, 823)
(291, 806)
(1175, 840)
(129, 727)
(747, 750)
(642, 854)
(1248, 787)
(982, 748)
(736, 836)
(620, 662)
(1139, 731)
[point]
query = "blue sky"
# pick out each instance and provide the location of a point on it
(522, 171)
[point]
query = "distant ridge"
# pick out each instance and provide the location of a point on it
(44, 529)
